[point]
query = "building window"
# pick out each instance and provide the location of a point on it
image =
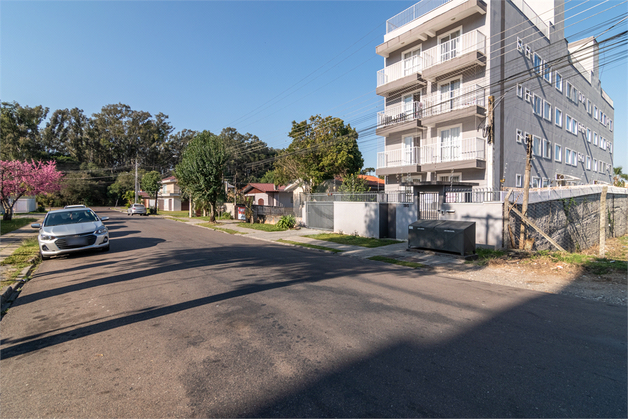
(547, 110)
(610, 147)
(595, 138)
(603, 143)
(574, 127)
(557, 153)
(574, 158)
(538, 63)
(545, 183)
(528, 51)
(567, 156)
(588, 135)
(538, 105)
(547, 73)
(519, 45)
(568, 123)
(547, 149)
(595, 112)
(558, 81)
(536, 145)
(518, 181)
(589, 107)
(535, 182)
(527, 95)
(520, 90)
(603, 119)
(519, 136)
(594, 165)
(588, 162)
(559, 117)
(610, 124)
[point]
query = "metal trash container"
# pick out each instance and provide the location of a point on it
(443, 236)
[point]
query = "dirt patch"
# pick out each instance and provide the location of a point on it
(545, 274)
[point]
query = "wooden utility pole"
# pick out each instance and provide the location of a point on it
(136, 188)
(490, 120)
(526, 190)
(603, 221)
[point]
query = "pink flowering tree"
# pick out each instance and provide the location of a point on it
(23, 178)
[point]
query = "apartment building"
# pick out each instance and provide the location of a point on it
(445, 58)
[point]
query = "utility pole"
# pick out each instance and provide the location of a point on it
(526, 190)
(490, 120)
(235, 193)
(136, 188)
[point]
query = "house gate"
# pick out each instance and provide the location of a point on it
(320, 215)
(428, 206)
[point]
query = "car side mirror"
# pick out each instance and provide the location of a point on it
(104, 218)
(36, 225)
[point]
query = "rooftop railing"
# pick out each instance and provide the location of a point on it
(413, 12)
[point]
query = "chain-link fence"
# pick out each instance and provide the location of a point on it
(572, 222)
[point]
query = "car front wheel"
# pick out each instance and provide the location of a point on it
(105, 249)
(43, 257)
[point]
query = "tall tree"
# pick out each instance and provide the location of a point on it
(19, 127)
(619, 177)
(321, 148)
(200, 171)
(66, 134)
(23, 178)
(245, 149)
(151, 184)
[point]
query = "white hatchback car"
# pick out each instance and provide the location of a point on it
(71, 230)
(136, 209)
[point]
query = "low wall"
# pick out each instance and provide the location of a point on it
(361, 218)
(488, 218)
(405, 214)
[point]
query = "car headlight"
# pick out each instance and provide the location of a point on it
(101, 230)
(47, 237)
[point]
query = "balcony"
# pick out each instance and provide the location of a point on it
(399, 117)
(423, 20)
(399, 75)
(465, 153)
(452, 105)
(463, 52)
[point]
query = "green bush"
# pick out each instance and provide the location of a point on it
(287, 221)
(225, 216)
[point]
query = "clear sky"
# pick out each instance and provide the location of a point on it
(254, 66)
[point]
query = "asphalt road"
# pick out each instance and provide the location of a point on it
(180, 321)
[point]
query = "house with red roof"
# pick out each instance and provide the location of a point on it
(268, 194)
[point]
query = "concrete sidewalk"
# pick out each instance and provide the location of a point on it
(396, 251)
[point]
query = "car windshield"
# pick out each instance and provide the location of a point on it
(70, 217)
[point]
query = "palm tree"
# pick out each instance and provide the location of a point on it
(619, 178)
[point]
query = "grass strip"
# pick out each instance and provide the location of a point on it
(20, 260)
(311, 246)
(262, 227)
(353, 240)
(10, 225)
(226, 230)
(397, 262)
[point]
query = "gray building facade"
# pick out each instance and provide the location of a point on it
(444, 58)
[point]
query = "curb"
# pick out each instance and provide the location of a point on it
(11, 292)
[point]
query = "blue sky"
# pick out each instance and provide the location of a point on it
(255, 66)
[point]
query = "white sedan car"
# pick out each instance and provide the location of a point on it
(71, 230)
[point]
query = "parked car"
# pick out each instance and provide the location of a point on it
(136, 209)
(71, 230)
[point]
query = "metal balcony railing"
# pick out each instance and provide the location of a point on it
(412, 65)
(442, 152)
(465, 43)
(396, 114)
(413, 12)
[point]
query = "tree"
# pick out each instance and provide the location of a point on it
(245, 149)
(124, 183)
(619, 177)
(21, 139)
(200, 171)
(321, 148)
(353, 184)
(151, 184)
(21, 178)
(367, 170)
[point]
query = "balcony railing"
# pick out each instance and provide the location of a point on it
(452, 100)
(449, 151)
(432, 105)
(401, 69)
(412, 13)
(465, 43)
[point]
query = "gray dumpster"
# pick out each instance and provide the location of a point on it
(443, 236)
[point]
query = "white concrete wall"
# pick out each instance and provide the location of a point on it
(406, 214)
(488, 217)
(25, 204)
(361, 218)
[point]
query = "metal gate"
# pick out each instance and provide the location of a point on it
(320, 215)
(428, 206)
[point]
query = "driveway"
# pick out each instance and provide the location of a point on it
(179, 321)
